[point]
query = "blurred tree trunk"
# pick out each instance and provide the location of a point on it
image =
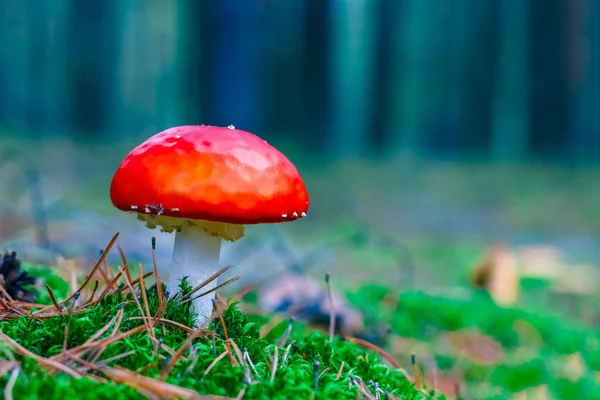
(478, 76)
(284, 33)
(149, 85)
(417, 85)
(89, 65)
(510, 124)
(191, 37)
(15, 37)
(458, 33)
(549, 92)
(315, 75)
(383, 73)
(47, 95)
(585, 47)
(353, 36)
(235, 51)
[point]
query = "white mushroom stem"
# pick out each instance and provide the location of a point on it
(195, 255)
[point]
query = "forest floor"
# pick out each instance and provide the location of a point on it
(402, 240)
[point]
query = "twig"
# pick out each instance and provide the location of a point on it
(339, 373)
(96, 335)
(160, 389)
(275, 362)
(4, 303)
(159, 288)
(215, 361)
(361, 387)
(231, 358)
(167, 369)
(5, 293)
(249, 361)
(286, 335)
(287, 350)
(331, 308)
(238, 353)
(91, 298)
(8, 390)
(417, 377)
(323, 373)
(41, 360)
(167, 322)
(145, 299)
(241, 394)
(53, 298)
(316, 375)
(380, 351)
(149, 328)
(115, 358)
(89, 277)
(124, 291)
(125, 263)
(211, 290)
(109, 340)
(208, 280)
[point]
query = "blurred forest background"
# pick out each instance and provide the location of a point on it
(445, 144)
(446, 125)
(502, 78)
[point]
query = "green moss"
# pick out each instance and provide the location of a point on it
(529, 352)
(294, 378)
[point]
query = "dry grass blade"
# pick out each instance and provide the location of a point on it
(145, 300)
(23, 304)
(101, 331)
(107, 289)
(4, 304)
(238, 352)
(100, 271)
(287, 350)
(89, 277)
(326, 370)
(363, 389)
(241, 394)
(275, 362)
(118, 321)
(174, 324)
(136, 281)
(159, 288)
(207, 281)
(91, 298)
(5, 293)
(149, 327)
(115, 358)
(160, 389)
(8, 390)
(109, 340)
(124, 260)
(41, 317)
(339, 373)
(53, 298)
(218, 310)
(370, 346)
(215, 361)
(211, 290)
(331, 307)
(7, 366)
(167, 369)
(17, 348)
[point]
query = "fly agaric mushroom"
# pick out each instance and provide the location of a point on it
(205, 183)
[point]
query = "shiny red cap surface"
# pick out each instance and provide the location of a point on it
(210, 173)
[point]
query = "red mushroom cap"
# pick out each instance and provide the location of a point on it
(210, 173)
